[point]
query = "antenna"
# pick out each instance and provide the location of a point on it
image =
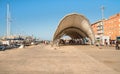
(8, 20)
(102, 10)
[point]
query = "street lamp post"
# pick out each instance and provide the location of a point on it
(102, 11)
(102, 23)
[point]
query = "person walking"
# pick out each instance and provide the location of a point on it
(117, 45)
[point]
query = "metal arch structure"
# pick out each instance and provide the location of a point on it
(76, 26)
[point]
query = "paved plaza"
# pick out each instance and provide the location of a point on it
(44, 59)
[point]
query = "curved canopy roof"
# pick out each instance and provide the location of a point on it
(75, 26)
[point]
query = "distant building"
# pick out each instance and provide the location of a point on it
(98, 29)
(107, 28)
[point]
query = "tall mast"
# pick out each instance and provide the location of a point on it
(8, 20)
(102, 10)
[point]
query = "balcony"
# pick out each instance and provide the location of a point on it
(100, 32)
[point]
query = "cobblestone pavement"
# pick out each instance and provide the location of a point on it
(43, 59)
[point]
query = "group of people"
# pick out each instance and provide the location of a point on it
(116, 43)
(112, 43)
(71, 42)
(82, 41)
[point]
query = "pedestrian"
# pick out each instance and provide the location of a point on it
(51, 43)
(100, 45)
(58, 42)
(117, 45)
(110, 43)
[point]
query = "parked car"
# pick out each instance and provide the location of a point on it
(2, 47)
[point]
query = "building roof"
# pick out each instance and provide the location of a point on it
(96, 22)
(75, 26)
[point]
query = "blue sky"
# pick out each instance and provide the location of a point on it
(40, 18)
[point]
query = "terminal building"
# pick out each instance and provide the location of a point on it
(107, 29)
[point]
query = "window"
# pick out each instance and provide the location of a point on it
(119, 20)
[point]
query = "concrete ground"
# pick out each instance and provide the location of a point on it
(44, 59)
